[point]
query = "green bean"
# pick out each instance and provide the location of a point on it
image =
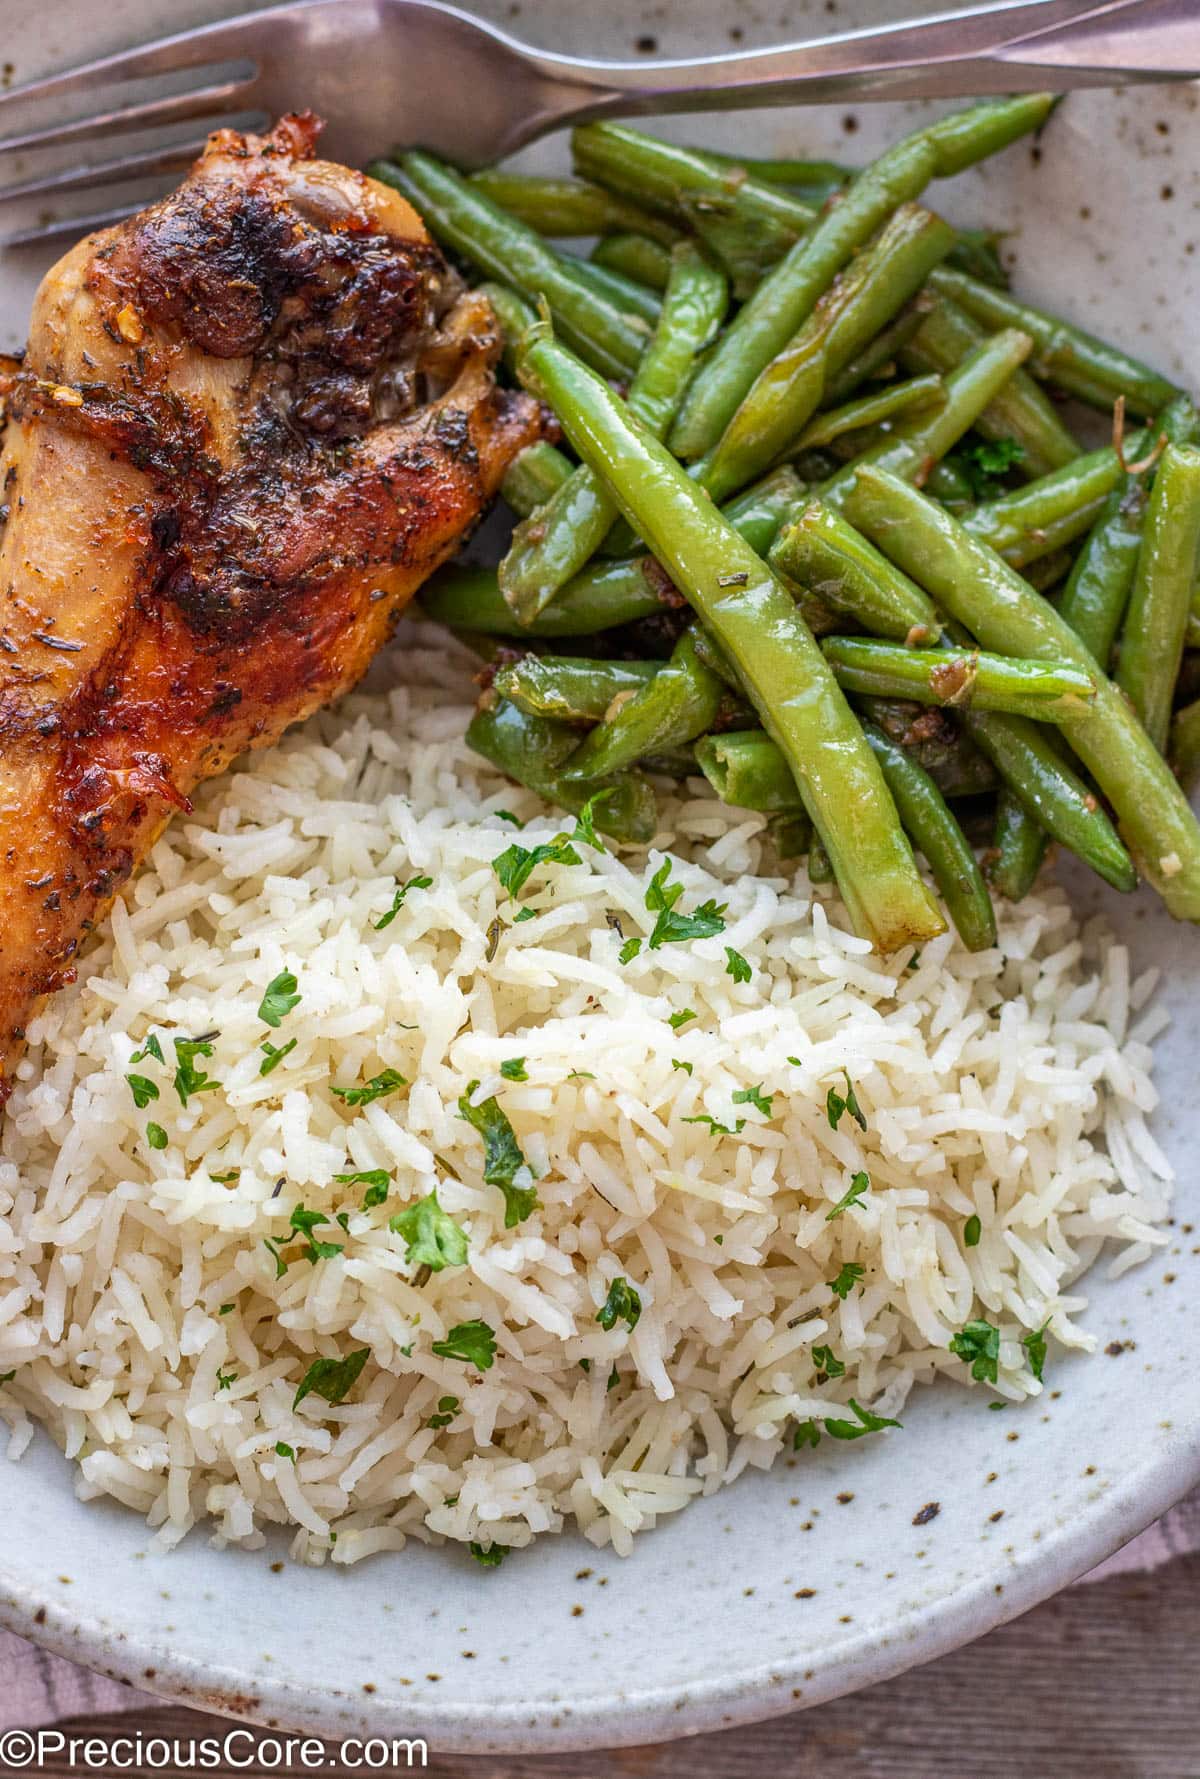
(603, 596)
(636, 256)
(965, 679)
(571, 688)
(1003, 611)
(513, 314)
(636, 301)
(1155, 624)
(745, 222)
(785, 298)
(860, 300)
(791, 833)
(948, 482)
(756, 623)
(918, 444)
(746, 768)
(1018, 849)
(1044, 515)
(567, 206)
(558, 539)
(678, 704)
(817, 550)
(1185, 744)
(937, 741)
(871, 410)
(533, 749)
(820, 865)
(1065, 355)
(850, 573)
(815, 179)
(877, 358)
(933, 831)
(467, 221)
(534, 476)
(1019, 411)
(1098, 589)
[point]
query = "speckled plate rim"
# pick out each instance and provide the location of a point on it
(920, 1633)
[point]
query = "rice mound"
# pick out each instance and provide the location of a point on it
(146, 1321)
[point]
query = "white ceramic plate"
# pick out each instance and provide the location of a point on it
(827, 1575)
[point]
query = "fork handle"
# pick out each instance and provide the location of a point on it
(1019, 46)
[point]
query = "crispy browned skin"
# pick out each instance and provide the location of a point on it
(250, 422)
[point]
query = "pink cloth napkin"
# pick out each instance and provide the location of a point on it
(36, 1688)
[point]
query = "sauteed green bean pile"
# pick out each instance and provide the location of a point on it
(828, 525)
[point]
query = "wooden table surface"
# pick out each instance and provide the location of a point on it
(1101, 1683)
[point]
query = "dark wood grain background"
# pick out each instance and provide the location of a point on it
(1101, 1683)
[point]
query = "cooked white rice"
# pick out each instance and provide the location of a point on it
(1011, 1087)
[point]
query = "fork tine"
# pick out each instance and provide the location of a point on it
(183, 51)
(65, 228)
(130, 166)
(218, 99)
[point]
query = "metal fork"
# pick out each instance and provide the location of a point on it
(415, 71)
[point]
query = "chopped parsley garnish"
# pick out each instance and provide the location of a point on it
(502, 1157)
(585, 821)
(151, 1047)
(331, 1379)
(472, 1342)
(836, 1103)
(846, 1280)
(143, 1090)
(375, 1179)
(629, 950)
(678, 1063)
(524, 914)
(279, 999)
(513, 1069)
(980, 1343)
(506, 815)
(805, 1433)
(863, 1423)
(223, 1179)
(434, 1239)
(1035, 1350)
(718, 1129)
(623, 1303)
(985, 462)
(754, 1096)
(448, 1407)
(226, 1380)
(284, 1451)
(273, 1055)
(385, 920)
(276, 1253)
(674, 929)
(375, 1089)
(516, 864)
(226, 1309)
(678, 1019)
(156, 1136)
(490, 1557)
(188, 1079)
(614, 1378)
(736, 965)
(860, 1185)
(824, 1360)
(304, 1222)
(972, 1231)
